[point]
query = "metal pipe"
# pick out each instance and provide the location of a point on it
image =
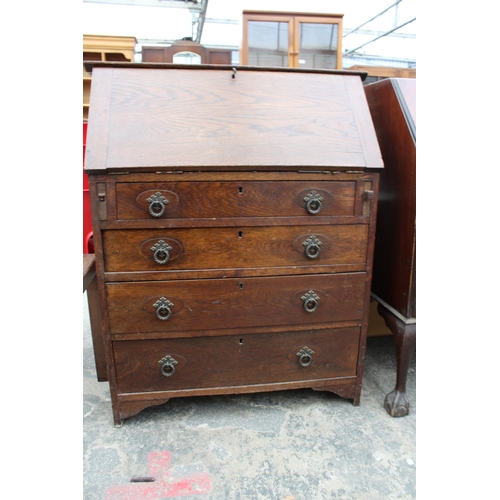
(381, 36)
(383, 12)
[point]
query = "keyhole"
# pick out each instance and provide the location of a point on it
(241, 286)
(240, 234)
(240, 189)
(241, 341)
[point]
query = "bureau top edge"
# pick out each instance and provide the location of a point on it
(90, 65)
(323, 170)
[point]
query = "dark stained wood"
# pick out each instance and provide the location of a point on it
(97, 333)
(127, 409)
(200, 305)
(235, 160)
(166, 54)
(91, 65)
(242, 247)
(369, 207)
(396, 402)
(88, 270)
(393, 106)
(237, 176)
(163, 223)
(90, 285)
(234, 199)
(128, 405)
(253, 359)
(305, 120)
(394, 257)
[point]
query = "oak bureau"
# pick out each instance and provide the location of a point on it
(234, 215)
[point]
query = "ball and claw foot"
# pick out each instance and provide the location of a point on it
(396, 404)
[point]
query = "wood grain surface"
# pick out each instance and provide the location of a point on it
(233, 199)
(236, 247)
(253, 359)
(232, 303)
(259, 118)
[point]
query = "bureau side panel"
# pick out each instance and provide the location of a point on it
(395, 237)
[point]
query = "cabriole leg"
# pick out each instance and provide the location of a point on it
(396, 402)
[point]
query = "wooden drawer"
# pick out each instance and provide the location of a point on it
(211, 362)
(164, 250)
(234, 199)
(215, 304)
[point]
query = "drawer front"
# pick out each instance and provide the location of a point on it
(175, 200)
(213, 304)
(234, 247)
(210, 362)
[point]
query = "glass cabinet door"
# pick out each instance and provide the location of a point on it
(294, 40)
(268, 43)
(317, 45)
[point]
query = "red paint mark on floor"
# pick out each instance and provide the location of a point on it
(164, 486)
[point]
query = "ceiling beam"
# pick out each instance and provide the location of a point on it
(175, 4)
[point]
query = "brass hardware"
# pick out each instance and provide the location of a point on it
(163, 308)
(310, 301)
(313, 202)
(167, 365)
(101, 196)
(161, 252)
(369, 194)
(157, 204)
(305, 356)
(312, 245)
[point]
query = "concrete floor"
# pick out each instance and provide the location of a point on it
(288, 445)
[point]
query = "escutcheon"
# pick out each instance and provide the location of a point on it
(313, 202)
(312, 245)
(161, 251)
(157, 204)
(163, 308)
(310, 301)
(305, 356)
(167, 365)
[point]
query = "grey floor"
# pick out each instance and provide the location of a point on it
(289, 445)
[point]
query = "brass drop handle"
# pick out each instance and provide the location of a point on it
(313, 202)
(163, 308)
(167, 365)
(310, 301)
(157, 204)
(312, 247)
(305, 356)
(161, 251)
